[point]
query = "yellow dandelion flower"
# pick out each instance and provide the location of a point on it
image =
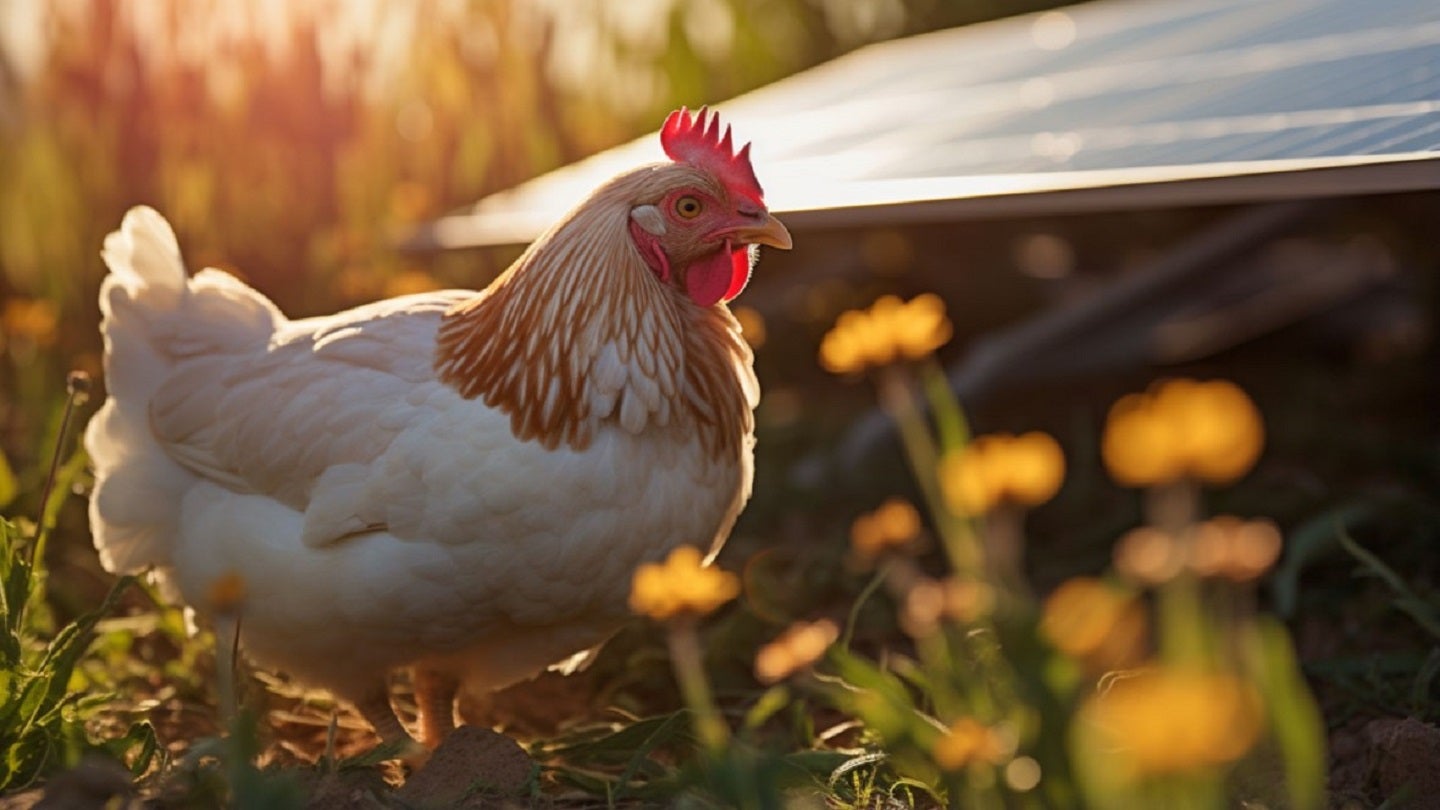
(892, 527)
(968, 600)
(998, 468)
(841, 351)
(1169, 721)
(1207, 430)
(967, 742)
(1149, 556)
(898, 520)
(876, 330)
(888, 331)
(1210, 552)
(1138, 443)
(681, 585)
(797, 648)
(226, 593)
(1240, 550)
(1095, 623)
(923, 606)
(927, 601)
(1221, 428)
(921, 327)
(965, 481)
(1257, 550)
(1034, 468)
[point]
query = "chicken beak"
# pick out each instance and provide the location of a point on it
(768, 231)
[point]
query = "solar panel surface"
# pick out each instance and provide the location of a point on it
(1100, 98)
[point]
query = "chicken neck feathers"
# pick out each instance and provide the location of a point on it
(589, 336)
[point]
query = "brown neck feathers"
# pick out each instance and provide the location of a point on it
(579, 332)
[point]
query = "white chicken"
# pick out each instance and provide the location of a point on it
(460, 482)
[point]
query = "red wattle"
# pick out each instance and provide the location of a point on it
(739, 270)
(718, 277)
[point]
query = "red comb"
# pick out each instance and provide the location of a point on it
(694, 141)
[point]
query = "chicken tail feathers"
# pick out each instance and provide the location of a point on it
(153, 315)
(144, 259)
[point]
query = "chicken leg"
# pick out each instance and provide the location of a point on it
(435, 703)
(376, 709)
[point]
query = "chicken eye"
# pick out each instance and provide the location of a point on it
(687, 207)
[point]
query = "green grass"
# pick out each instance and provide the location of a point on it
(43, 715)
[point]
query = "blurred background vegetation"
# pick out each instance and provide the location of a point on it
(291, 143)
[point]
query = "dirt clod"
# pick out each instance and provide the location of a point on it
(96, 782)
(471, 768)
(1405, 752)
(348, 789)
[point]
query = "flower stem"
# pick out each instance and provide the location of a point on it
(1185, 639)
(227, 658)
(1004, 541)
(961, 543)
(689, 663)
(950, 425)
(77, 390)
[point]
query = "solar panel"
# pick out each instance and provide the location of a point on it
(1105, 96)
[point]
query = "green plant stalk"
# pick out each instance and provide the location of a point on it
(868, 591)
(980, 647)
(1185, 639)
(961, 543)
(1173, 507)
(950, 424)
(689, 663)
(41, 719)
(1003, 538)
(954, 787)
(1295, 720)
(937, 662)
(1180, 793)
(77, 390)
(227, 644)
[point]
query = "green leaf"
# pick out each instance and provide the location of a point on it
(613, 746)
(139, 736)
(1421, 687)
(1309, 541)
(853, 763)
(1407, 601)
(673, 728)
(9, 485)
(1294, 718)
(775, 698)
